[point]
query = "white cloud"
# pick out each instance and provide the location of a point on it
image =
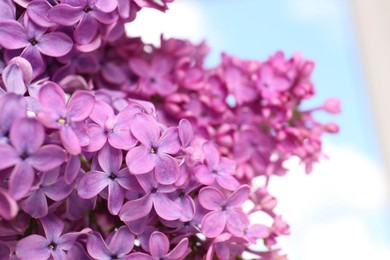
(314, 10)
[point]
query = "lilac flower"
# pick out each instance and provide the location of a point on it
(117, 246)
(12, 107)
(159, 249)
(242, 88)
(68, 118)
(87, 14)
(8, 206)
(110, 127)
(271, 84)
(219, 170)
(35, 41)
(27, 154)
(50, 186)
(154, 78)
(154, 150)
(17, 75)
(157, 4)
(225, 212)
(53, 244)
(156, 196)
(110, 161)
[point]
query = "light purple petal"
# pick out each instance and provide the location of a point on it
(55, 44)
(53, 227)
(69, 140)
(97, 136)
(15, 40)
(72, 169)
(37, 11)
(33, 247)
(64, 14)
(158, 244)
(236, 222)
(211, 198)
(80, 105)
(9, 156)
(12, 106)
(66, 241)
(115, 197)
(101, 113)
(146, 129)
(32, 54)
(21, 180)
(7, 9)
(139, 67)
(167, 169)
(122, 242)
(136, 209)
(52, 98)
(107, 6)
(126, 180)
(186, 133)
(166, 208)
(165, 87)
(58, 191)
(140, 160)
(211, 154)
(13, 79)
(238, 197)
(139, 256)
(122, 139)
(180, 250)
(97, 248)
(204, 175)
(187, 207)
(35, 204)
(21, 137)
(91, 184)
(110, 159)
(8, 206)
(86, 30)
(169, 141)
(213, 224)
(227, 182)
(47, 157)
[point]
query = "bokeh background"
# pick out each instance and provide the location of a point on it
(341, 210)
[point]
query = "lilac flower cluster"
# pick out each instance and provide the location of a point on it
(111, 148)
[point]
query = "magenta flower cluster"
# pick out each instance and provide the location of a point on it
(111, 148)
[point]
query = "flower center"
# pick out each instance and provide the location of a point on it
(87, 9)
(61, 121)
(153, 150)
(23, 156)
(112, 176)
(33, 41)
(52, 246)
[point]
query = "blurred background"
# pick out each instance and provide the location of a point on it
(341, 210)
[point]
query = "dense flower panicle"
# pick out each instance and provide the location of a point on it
(111, 148)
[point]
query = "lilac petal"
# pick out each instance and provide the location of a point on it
(186, 133)
(76, 207)
(238, 197)
(213, 224)
(187, 207)
(35, 204)
(158, 244)
(37, 11)
(211, 198)
(64, 14)
(139, 67)
(98, 137)
(69, 140)
(13, 79)
(33, 247)
(165, 87)
(86, 30)
(101, 113)
(15, 40)
(106, 6)
(21, 137)
(72, 169)
(25, 67)
(55, 44)
(9, 156)
(180, 250)
(140, 160)
(21, 180)
(32, 54)
(126, 180)
(236, 221)
(166, 208)
(169, 141)
(52, 98)
(167, 169)
(47, 157)
(81, 131)
(5, 251)
(110, 159)
(80, 105)
(115, 197)
(58, 191)
(91, 184)
(58, 254)
(12, 106)
(106, 18)
(146, 129)
(122, 139)
(136, 209)
(97, 248)
(203, 175)
(227, 182)
(113, 73)
(211, 154)
(53, 227)
(77, 251)
(7, 10)
(66, 241)
(139, 256)
(122, 242)
(8, 206)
